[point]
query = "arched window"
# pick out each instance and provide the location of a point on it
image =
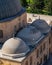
(1, 34)
(41, 61)
(31, 60)
(26, 63)
(37, 63)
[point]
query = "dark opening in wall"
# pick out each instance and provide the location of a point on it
(31, 60)
(26, 63)
(1, 33)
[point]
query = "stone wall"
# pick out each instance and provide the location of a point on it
(37, 59)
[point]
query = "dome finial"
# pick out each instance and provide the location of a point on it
(14, 32)
(39, 17)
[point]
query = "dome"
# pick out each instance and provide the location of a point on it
(9, 8)
(41, 25)
(30, 35)
(15, 46)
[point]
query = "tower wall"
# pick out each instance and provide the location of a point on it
(8, 27)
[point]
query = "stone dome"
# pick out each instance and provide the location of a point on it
(9, 8)
(41, 25)
(15, 46)
(30, 35)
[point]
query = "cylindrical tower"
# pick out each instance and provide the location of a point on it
(12, 14)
